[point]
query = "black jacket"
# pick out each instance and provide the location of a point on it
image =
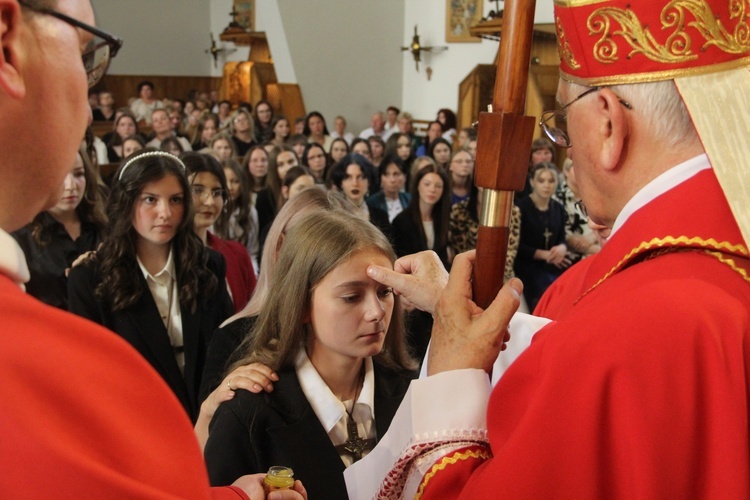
(142, 327)
(252, 432)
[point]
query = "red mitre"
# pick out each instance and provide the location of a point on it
(609, 42)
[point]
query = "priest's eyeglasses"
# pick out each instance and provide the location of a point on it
(98, 53)
(558, 135)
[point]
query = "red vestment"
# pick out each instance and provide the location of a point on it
(640, 389)
(84, 416)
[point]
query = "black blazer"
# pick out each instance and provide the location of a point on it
(142, 327)
(408, 238)
(253, 432)
(379, 219)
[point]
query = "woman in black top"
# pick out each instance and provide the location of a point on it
(58, 236)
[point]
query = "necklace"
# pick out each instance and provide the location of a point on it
(355, 445)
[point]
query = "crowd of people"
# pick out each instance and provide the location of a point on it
(188, 230)
(276, 286)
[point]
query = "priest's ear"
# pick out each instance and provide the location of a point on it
(615, 127)
(12, 26)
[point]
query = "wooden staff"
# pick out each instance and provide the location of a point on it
(503, 149)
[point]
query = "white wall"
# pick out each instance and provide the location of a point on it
(423, 98)
(162, 37)
(345, 54)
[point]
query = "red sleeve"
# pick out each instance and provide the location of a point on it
(83, 415)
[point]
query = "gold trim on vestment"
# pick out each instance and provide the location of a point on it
(730, 262)
(659, 243)
(481, 453)
(654, 76)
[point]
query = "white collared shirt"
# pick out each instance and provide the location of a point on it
(660, 185)
(164, 290)
(13, 260)
(331, 411)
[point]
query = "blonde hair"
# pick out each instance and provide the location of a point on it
(315, 246)
(291, 213)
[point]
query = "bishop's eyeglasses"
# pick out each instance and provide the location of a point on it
(558, 135)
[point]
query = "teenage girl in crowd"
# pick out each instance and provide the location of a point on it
(125, 126)
(255, 165)
(56, 237)
(352, 177)
(335, 337)
(434, 131)
(362, 147)
(208, 127)
(269, 198)
(314, 157)
(296, 180)
(440, 151)
(263, 120)
(542, 253)
(152, 281)
(243, 135)
(280, 130)
(339, 149)
(242, 225)
(399, 144)
(461, 171)
(448, 121)
(316, 130)
(423, 225)
(222, 147)
(391, 198)
(211, 201)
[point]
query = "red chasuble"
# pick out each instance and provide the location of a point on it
(84, 416)
(640, 388)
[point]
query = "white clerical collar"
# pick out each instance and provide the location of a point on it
(167, 272)
(327, 407)
(13, 260)
(660, 185)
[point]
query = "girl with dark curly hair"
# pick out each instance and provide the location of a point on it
(152, 281)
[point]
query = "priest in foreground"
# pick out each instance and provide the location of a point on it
(640, 387)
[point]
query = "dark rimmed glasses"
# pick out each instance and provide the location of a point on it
(98, 53)
(558, 135)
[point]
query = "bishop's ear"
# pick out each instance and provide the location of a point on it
(615, 127)
(11, 39)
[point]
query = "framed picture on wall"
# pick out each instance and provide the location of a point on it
(460, 15)
(245, 14)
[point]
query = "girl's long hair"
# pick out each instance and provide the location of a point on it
(90, 209)
(313, 248)
(441, 212)
(241, 204)
(120, 285)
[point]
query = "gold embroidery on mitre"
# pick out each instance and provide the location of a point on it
(563, 47)
(481, 454)
(679, 45)
(671, 243)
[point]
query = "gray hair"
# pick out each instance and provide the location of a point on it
(659, 108)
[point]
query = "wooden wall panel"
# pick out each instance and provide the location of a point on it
(123, 87)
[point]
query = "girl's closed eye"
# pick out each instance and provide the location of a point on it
(350, 299)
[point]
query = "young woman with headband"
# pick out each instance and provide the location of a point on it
(152, 281)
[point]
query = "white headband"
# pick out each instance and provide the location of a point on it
(150, 153)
